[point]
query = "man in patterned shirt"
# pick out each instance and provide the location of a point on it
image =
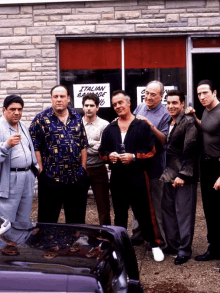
(96, 170)
(60, 143)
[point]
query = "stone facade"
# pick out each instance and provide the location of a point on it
(28, 36)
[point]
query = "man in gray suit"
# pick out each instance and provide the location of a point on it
(17, 163)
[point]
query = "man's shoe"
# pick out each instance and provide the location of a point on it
(206, 256)
(181, 259)
(157, 254)
(5, 225)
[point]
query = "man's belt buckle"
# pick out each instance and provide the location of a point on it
(27, 168)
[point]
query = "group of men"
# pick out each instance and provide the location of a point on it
(152, 154)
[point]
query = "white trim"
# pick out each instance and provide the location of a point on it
(189, 72)
(123, 64)
(205, 50)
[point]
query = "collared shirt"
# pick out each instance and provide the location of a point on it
(94, 132)
(182, 151)
(60, 145)
(20, 153)
(159, 117)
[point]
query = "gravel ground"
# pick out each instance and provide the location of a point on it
(165, 277)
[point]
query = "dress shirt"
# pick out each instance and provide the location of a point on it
(60, 145)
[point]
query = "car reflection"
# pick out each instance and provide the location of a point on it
(79, 253)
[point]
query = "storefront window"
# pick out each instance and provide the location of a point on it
(148, 59)
(91, 76)
(98, 61)
(89, 62)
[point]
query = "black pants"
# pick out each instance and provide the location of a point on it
(98, 179)
(210, 171)
(52, 195)
(131, 189)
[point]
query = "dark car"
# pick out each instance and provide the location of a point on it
(67, 258)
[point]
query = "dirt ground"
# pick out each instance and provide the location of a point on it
(165, 277)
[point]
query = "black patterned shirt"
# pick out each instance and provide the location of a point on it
(60, 145)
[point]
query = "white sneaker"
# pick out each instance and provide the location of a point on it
(5, 225)
(157, 254)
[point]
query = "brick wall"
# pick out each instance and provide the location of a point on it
(28, 53)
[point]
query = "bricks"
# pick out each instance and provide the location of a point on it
(91, 16)
(28, 35)
(29, 85)
(95, 10)
(172, 18)
(36, 40)
(185, 4)
(9, 76)
(127, 14)
(15, 40)
(8, 85)
(208, 21)
(19, 67)
(26, 9)
(6, 32)
(9, 10)
(84, 29)
(192, 22)
(52, 11)
(126, 28)
(33, 53)
(13, 53)
(213, 3)
(16, 22)
(20, 31)
(45, 30)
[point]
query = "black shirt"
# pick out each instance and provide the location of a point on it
(210, 125)
(139, 140)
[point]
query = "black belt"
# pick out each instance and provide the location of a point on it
(20, 169)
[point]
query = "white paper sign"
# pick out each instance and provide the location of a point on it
(141, 93)
(102, 90)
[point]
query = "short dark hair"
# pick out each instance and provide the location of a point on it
(176, 93)
(91, 96)
(115, 93)
(208, 82)
(58, 85)
(12, 99)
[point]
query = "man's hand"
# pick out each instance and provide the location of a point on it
(217, 184)
(178, 182)
(144, 119)
(190, 111)
(13, 140)
(126, 158)
(113, 157)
